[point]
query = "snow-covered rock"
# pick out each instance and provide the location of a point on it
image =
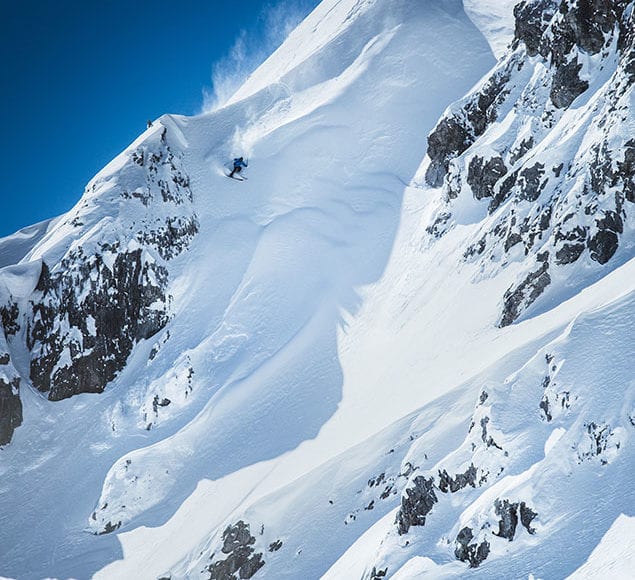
(541, 153)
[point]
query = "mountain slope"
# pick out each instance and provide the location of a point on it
(227, 351)
(365, 360)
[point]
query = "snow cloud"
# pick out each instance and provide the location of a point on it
(251, 48)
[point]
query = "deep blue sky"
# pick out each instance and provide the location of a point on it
(80, 78)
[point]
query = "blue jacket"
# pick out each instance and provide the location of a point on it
(238, 162)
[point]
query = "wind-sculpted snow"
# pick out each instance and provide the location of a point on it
(482, 476)
(533, 461)
(321, 229)
(545, 149)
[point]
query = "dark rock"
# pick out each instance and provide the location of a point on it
(512, 239)
(172, 238)
(527, 515)
(156, 403)
(516, 300)
(482, 177)
(4, 358)
(525, 145)
(603, 245)
(241, 562)
(9, 314)
(544, 406)
(437, 229)
(472, 553)
(122, 305)
(569, 253)
(485, 436)
(416, 504)
(236, 536)
(373, 481)
(567, 85)
(378, 574)
(601, 168)
(275, 546)
(626, 168)
(531, 20)
(509, 518)
(449, 139)
(455, 133)
(504, 191)
(611, 221)
(109, 527)
(601, 436)
(388, 491)
(460, 480)
(590, 20)
(529, 181)
(10, 409)
(560, 42)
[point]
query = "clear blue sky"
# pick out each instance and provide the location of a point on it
(80, 78)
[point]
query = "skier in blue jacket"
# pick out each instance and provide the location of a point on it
(238, 165)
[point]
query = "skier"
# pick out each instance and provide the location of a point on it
(238, 165)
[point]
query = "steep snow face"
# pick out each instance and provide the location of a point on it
(324, 203)
(614, 555)
(493, 480)
(542, 154)
(538, 446)
(495, 19)
(184, 327)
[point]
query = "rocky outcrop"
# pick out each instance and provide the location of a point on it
(518, 298)
(459, 481)
(10, 403)
(468, 551)
(237, 558)
(474, 547)
(568, 203)
(482, 176)
(508, 513)
(10, 406)
(109, 290)
(87, 316)
(416, 503)
(456, 132)
(531, 20)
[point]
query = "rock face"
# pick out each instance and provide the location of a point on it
(87, 317)
(468, 551)
(416, 503)
(237, 553)
(97, 298)
(10, 403)
(502, 144)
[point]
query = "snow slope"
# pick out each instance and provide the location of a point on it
(256, 300)
(296, 362)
